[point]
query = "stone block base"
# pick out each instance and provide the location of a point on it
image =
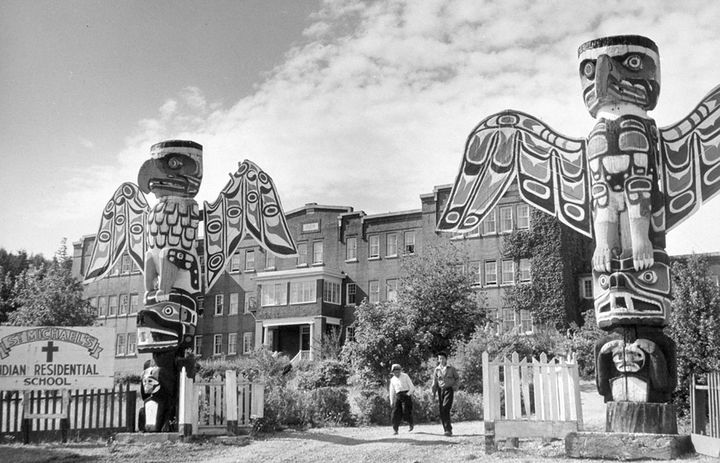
(140, 438)
(626, 446)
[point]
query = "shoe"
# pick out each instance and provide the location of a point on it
(395, 433)
(448, 433)
(411, 428)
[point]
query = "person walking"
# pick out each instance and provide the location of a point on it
(401, 389)
(445, 383)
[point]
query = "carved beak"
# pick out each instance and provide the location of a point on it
(602, 73)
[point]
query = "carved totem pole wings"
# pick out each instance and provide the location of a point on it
(248, 205)
(691, 160)
(549, 168)
(122, 228)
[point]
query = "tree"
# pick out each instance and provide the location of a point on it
(438, 296)
(49, 295)
(383, 335)
(694, 322)
(11, 266)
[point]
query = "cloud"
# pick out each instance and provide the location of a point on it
(84, 142)
(373, 107)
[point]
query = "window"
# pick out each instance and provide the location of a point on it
(374, 295)
(247, 342)
(374, 247)
(351, 291)
(274, 294)
(391, 286)
(506, 220)
(232, 343)
(250, 260)
(131, 343)
(217, 344)
(409, 242)
(491, 272)
(302, 291)
(93, 303)
(235, 262)
(391, 245)
(112, 305)
(526, 321)
(102, 306)
(331, 292)
(120, 340)
(524, 270)
(489, 223)
(126, 264)
(124, 304)
(234, 302)
(586, 288)
(508, 320)
(302, 254)
(493, 318)
(351, 249)
(134, 303)
(116, 269)
(318, 252)
(219, 301)
(523, 216)
(508, 272)
(269, 260)
(475, 272)
(349, 333)
(198, 346)
(475, 232)
(250, 302)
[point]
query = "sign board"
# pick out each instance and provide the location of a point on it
(56, 357)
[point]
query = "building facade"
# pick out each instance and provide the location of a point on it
(291, 305)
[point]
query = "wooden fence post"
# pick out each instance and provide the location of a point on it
(231, 401)
(130, 409)
(257, 406)
(185, 406)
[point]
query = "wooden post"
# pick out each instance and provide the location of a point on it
(185, 405)
(257, 407)
(26, 423)
(231, 401)
(130, 409)
(489, 436)
(488, 397)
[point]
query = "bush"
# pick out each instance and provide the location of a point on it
(261, 366)
(425, 406)
(582, 342)
(285, 407)
(327, 373)
(329, 407)
(467, 407)
(371, 406)
(468, 355)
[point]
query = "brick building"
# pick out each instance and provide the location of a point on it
(345, 256)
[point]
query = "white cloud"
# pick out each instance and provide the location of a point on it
(374, 107)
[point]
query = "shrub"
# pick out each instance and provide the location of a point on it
(329, 407)
(285, 407)
(582, 342)
(327, 373)
(371, 406)
(262, 365)
(425, 406)
(467, 407)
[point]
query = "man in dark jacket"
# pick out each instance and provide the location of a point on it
(445, 383)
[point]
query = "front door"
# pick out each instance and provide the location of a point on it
(305, 338)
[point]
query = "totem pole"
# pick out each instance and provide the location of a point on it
(162, 242)
(627, 184)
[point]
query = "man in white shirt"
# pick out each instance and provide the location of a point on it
(401, 389)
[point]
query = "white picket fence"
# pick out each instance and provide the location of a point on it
(705, 413)
(522, 399)
(219, 406)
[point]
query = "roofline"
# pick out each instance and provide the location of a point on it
(344, 209)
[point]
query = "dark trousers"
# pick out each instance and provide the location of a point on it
(402, 410)
(445, 400)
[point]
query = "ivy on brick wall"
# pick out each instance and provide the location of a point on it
(557, 255)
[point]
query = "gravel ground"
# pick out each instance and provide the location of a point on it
(425, 444)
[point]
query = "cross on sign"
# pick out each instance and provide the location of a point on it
(50, 348)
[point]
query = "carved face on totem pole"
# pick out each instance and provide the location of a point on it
(625, 185)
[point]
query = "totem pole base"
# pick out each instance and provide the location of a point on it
(641, 417)
(635, 430)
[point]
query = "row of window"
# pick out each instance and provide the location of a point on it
(501, 220)
(232, 347)
(301, 292)
(392, 245)
(506, 320)
(508, 269)
(248, 306)
(111, 306)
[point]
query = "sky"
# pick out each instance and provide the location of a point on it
(362, 104)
